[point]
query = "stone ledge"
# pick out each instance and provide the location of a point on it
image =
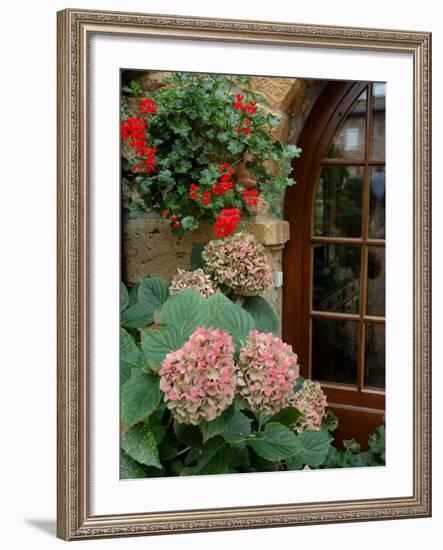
(149, 247)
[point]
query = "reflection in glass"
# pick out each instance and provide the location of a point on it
(377, 202)
(378, 121)
(336, 278)
(338, 202)
(349, 142)
(376, 280)
(334, 350)
(375, 356)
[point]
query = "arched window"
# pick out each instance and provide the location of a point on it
(334, 288)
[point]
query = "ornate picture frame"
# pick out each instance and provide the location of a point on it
(74, 517)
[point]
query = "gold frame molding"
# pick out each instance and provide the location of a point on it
(75, 28)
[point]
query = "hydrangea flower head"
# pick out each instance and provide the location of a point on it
(239, 262)
(199, 379)
(311, 402)
(267, 371)
(193, 279)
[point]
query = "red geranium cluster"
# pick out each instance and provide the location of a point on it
(135, 129)
(205, 198)
(147, 105)
(225, 183)
(226, 222)
(250, 196)
(175, 224)
(245, 127)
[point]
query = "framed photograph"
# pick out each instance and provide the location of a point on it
(243, 274)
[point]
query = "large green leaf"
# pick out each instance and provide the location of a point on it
(124, 297)
(153, 291)
(130, 356)
(275, 443)
(238, 428)
(129, 468)
(137, 316)
(287, 416)
(217, 426)
(312, 447)
(185, 311)
(214, 458)
(230, 317)
(158, 342)
(139, 443)
(264, 316)
(140, 396)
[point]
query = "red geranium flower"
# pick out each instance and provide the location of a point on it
(226, 222)
(147, 105)
(250, 196)
(206, 198)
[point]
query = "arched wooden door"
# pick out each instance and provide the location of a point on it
(334, 289)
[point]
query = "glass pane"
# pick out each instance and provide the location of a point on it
(378, 121)
(335, 350)
(338, 202)
(376, 280)
(349, 142)
(375, 356)
(336, 277)
(377, 203)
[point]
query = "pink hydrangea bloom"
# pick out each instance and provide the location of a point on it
(239, 262)
(311, 402)
(199, 379)
(267, 371)
(192, 279)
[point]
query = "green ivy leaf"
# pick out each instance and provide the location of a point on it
(139, 443)
(218, 425)
(158, 342)
(275, 443)
(140, 396)
(185, 311)
(214, 458)
(230, 317)
(264, 316)
(130, 355)
(189, 222)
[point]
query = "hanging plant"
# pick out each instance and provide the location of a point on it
(194, 142)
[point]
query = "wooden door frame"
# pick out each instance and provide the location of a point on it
(366, 409)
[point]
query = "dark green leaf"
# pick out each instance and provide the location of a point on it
(124, 297)
(238, 428)
(196, 256)
(129, 468)
(185, 311)
(130, 356)
(137, 316)
(312, 447)
(158, 342)
(275, 443)
(294, 463)
(139, 443)
(218, 425)
(153, 291)
(188, 434)
(214, 458)
(264, 316)
(140, 396)
(230, 317)
(287, 416)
